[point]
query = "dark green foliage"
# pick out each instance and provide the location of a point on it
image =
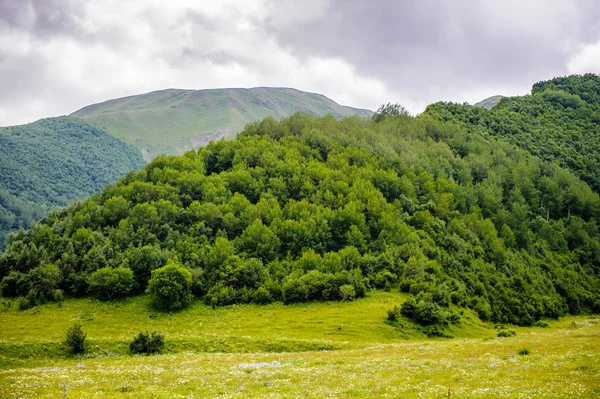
(506, 333)
(393, 313)
(425, 312)
(524, 352)
(389, 110)
(295, 210)
(51, 162)
(171, 286)
(75, 339)
(147, 344)
(110, 283)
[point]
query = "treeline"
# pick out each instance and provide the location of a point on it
(49, 163)
(559, 122)
(318, 209)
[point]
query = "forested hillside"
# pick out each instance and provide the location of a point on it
(559, 122)
(319, 209)
(173, 121)
(50, 163)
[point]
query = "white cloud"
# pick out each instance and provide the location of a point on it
(89, 52)
(126, 48)
(587, 59)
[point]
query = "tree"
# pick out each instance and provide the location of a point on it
(389, 110)
(171, 286)
(75, 339)
(110, 283)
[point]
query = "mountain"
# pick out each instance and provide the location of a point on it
(559, 122)
(489, 102)
(51, 162)
(54, 161)
(174, 121)
(317, 209)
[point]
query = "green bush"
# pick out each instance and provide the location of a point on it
(524, 351)
(171, 286)
(424, 312)
(75, 339)
(262, 296)
(506, 333)
(24, 303)
(147, 343)
(347, 292)
(393, 313)
(110, 283)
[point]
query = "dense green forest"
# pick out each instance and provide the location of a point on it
(50, 163)
(559, 121)
(318, 209)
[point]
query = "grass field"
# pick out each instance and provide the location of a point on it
(319, 350)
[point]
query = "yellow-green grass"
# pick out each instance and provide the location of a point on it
(272, 354)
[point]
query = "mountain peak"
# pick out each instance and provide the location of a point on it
(175, 120)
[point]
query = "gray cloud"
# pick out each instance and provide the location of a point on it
(59, 55)
(42, 18)
(417, 46)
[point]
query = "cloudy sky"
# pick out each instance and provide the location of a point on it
(57, 56)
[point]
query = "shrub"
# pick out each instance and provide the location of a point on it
(75, 339)
(294, 290)
(523, 351)
(147, 343)
(171, 286)
(262, 296)
(506, 333)
(424, 312)
(347, 292)
(393, 313)
(111, 283)
(24, 303)
(58, 296)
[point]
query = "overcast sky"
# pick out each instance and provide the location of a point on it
(57, 56)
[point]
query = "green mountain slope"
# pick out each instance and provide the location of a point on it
(559, 121)
(173, 121)
(53, 161)
(319, 209)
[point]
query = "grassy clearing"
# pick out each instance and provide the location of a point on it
(326, 350)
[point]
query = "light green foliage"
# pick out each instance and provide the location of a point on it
(171, 286)
(559, 122)
(110, 283)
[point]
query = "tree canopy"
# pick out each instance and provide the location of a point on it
(50, 163)
(559, 122)
(309, 208)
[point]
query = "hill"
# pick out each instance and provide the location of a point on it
(559, 122)
(313, 209)
(174, 121)
(51, 162)
(489, 102)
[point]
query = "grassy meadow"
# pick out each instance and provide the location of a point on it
(316, 350)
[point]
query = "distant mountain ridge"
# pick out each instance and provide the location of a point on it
(173, 121)
(489, 102)
(51, 162)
